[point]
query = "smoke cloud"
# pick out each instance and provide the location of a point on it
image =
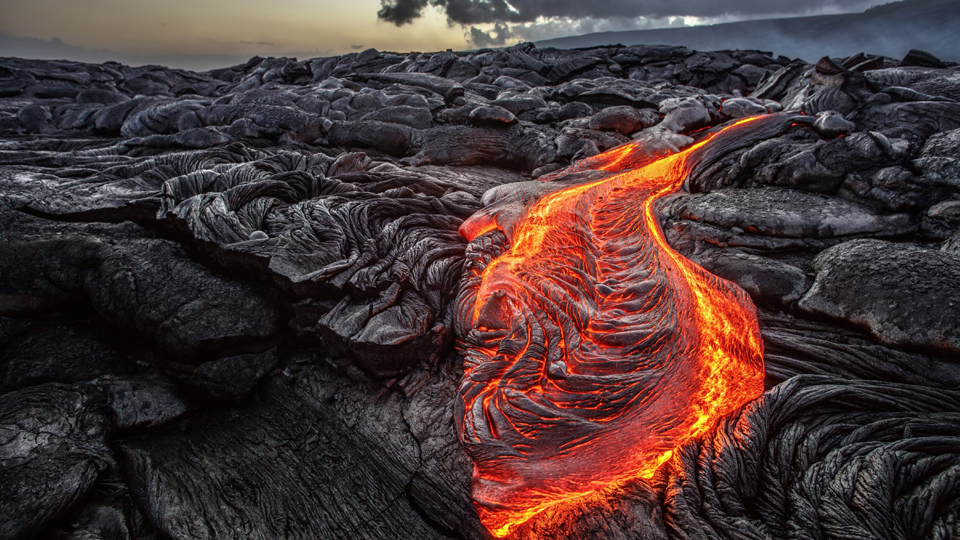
(495, 38)
(401, 12)
(521, 18)
(468, 12)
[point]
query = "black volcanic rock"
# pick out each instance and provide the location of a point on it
(768, 281)
(787, 213)
(624, 119)
(743, 107)
(832, 124)
(415, 117)
(52, 451)
(143, 401)
(938, 160)
(52, 352)
(921, 59)
(904, 294)
(333, 458)
(491, 115)
(149, 286)
(890, 432)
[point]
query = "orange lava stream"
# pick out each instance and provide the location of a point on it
(656, 349)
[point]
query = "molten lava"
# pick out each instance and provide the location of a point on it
(592, 348)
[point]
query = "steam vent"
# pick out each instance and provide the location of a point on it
(610, 293)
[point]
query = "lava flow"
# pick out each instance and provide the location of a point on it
(592, 348)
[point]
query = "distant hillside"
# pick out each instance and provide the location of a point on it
(890, 30)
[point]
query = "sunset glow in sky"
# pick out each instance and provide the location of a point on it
(208, 33)
(235, 28)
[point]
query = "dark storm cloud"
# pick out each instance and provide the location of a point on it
(467, 12)
(401, 12)
(496, 38)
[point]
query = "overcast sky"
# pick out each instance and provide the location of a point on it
(202, 34)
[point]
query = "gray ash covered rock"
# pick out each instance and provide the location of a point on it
(905, 294)
(227, 298)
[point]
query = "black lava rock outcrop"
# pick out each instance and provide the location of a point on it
(227, 298)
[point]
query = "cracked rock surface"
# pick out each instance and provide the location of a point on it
(227, 297)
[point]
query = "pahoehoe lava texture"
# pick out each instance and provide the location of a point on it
(228, 299)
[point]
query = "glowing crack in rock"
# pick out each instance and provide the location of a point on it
(592, 348)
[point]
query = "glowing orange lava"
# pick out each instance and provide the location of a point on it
(592, 348)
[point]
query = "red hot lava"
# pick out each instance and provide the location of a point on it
(592, 348)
